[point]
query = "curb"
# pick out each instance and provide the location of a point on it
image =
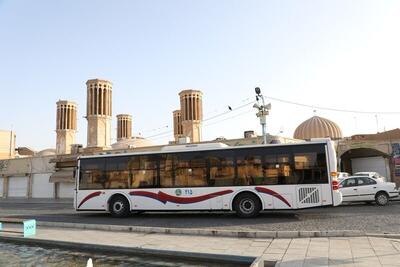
(137, 251)
(215, 232)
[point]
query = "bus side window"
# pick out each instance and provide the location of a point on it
(166, 170)
(143, 171)
(117, 175)
(310, 168)
(222, 169)
(92, 175)
(191, 170)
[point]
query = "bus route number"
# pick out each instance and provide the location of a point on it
(188, 192)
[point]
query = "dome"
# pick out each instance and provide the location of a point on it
(133, 142)
(317, 127)
(46, 152)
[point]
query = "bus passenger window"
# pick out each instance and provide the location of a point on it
(117, 175)
(92, 174)
(222, 171)
(250, 170)
(310, 168)
(190, 171)
(166, 171)
(143, 171)
(277, 169)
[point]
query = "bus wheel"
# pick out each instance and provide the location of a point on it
(119, 206)
(247, 205)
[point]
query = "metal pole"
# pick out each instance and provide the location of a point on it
(263, 120)
(262, 113)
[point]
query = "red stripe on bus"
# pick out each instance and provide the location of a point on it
(164, 198)
(272, 193)
(92, 195)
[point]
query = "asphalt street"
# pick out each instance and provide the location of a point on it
(363, 217)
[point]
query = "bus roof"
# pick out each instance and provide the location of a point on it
(198, 147)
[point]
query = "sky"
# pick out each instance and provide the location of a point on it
(342, 54)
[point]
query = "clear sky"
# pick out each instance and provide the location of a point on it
(340, 54)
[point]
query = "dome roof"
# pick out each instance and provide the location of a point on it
(317, 127)
(46, 152)
(133, 142)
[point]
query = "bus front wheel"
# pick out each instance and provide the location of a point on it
(119, 206)
(247, 205)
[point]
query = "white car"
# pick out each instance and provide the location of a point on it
(364, 188)
(374, 175)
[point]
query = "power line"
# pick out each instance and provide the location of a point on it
(229, 111)
(166, 133)
(334, 109)
(228, 118)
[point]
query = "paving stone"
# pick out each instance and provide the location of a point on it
(393, 259)
(272, 250)
(317, 261)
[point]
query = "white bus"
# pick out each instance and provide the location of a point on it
(244, 179)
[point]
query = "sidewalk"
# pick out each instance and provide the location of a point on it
(328, 251)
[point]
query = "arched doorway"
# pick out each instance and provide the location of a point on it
(365, 159)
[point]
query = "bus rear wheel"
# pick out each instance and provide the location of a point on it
(247, 205)
(119, 206)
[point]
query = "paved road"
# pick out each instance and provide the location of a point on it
(369, 218)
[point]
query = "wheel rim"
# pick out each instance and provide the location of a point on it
(382, 199)
(246, 206)
(118, 207)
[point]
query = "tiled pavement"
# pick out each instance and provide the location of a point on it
(329, 251)
(335, 251)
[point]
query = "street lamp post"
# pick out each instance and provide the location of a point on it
(262, 112)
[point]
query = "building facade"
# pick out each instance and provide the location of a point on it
(124, 126)
(191, 102)
(7, 144)
(98, 113)
(65, 126)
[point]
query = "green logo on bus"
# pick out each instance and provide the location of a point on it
(178, 192)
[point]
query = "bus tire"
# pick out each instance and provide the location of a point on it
(247, 205)
(119, 206)
(381, 198)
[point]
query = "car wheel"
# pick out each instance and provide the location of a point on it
(119, 206)
(247, 205)
(381, 199)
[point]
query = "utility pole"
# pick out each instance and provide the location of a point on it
(262, 112)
